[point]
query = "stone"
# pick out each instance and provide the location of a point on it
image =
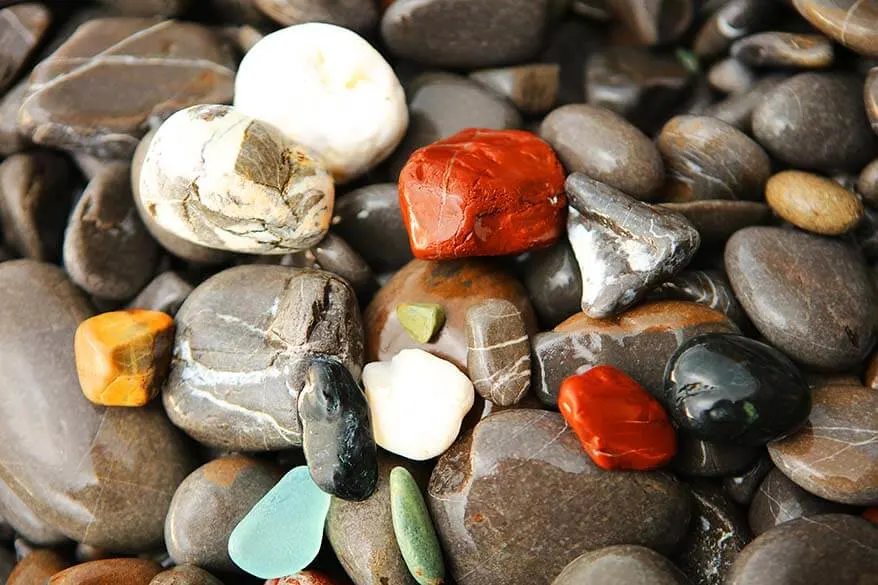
(204, 179)
(458, 34)
(867, 184)
(482, 193)
(697, 458)
(532, 88)
(241, 12)
(147, 7)
(166, 293)
(369, 219)
(75, 102)
(11, 140)
(333, 80)
(358, 15)
(834, 455)
(421, 320)
(107, 251)
(782, 49)
(794, 124)
(22, 519)
(810, 297)
(21, 29)
(871, 514)
(623, 247)
(717, 220)
(717, 534)
(37, 567)
(185, 575)
(122, 357)
(135, 458)
(786, 555)
(109, 572)
(620, 425)
(621, 563)
(731, 76)
(337, 436)
(517, 495)
(418, 402)
(35, 194)
(604, 146)
(741, 488)
(639, 342)
(710, 288)
(456, 286)
(303, 578)
(813, 203)
(731, 21)
(709, 159)
(779, 500)
(848, 22)
(871, 97)
(655, 21)
(242, 351)
(498, 351)
(282, 533)
(553, 282)
(737, 109)
(414, 530)
(207, 506)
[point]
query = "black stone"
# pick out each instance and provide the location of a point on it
(742, 487)
(699, 458)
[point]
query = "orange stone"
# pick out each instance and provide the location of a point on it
(122, 357)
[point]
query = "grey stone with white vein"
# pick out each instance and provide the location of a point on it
(623, 247)
(241, 355)
(498, 351)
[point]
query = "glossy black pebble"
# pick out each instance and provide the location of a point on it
(729, 388)
(337, 432)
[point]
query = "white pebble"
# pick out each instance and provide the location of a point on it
(418, 402)
(326, 87)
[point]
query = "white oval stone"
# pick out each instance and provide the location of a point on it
(326, 87)
(219, 178)
(418, 402)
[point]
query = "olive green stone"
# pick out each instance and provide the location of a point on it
(414, 530)
(421, 320)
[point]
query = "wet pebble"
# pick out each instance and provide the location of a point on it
(109, 572)
(622, 563)
(781, 49)
(37, 568)
(867, 184)
(848, 22)
(553, 282)
(737, 109)
(707, 287)
(697, 458)
(532, 88)
(731, 76)
(414, 530)
(813, 203)
(716, 220)
(185, 575)
(742, 487)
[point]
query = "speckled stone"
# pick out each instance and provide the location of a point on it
(357, 15)
(166, 293)
(414, 530)
(489, 522)
(813, 203)
(185, 575)
(742, 487)
(242, 350)
(37, 567)
(109, 572)
(785, 555)
(553, 282)
(21, 30)
(25, 522)
(532, 88)
(782, 49)
(699, 458)
(835, 456)
(848, 22)
(622, 563)
(208, 505)
(710, 288)
(717, 220)
(810, 297)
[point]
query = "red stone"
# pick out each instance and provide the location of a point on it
(620, 425)
(871, 514)
(482, 193)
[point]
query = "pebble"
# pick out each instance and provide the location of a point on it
(107, 251)
(813, 203)
(697, 458)
(272, 319)
(35, 194)
(369, 219)
(109, 572)
(337, 434)
(553, 282)
(302, 578)
(732, 20)
(779, 500)
(532, 88)
(741, 488)
(835, 456)
(37, 567)
(136, 458)
(731, 76)
(493, 480)
(335, 255)
(414, 530)
(716, 220)
(204, 179)
(418, 402)
(622, 563)
(785, 555)
(166, 293)
(457, 34)
(782, 49)
(655, 21)
(709, 159)
(11, 140)
(207, 506)
(24, 521)
(737, 109)
(122, 357)
(620, 425)
(358, 15)
(848, 22)
(498, 351)
(639, 342)
(623, 247)
(482, 193)
(75, 103)
(282, 533)
(871, 97)
(867, 184)
(794, 123)
(732, 389)
(456, 286)
(421, 320)
(810, 297)
(185, 575)
(147, 7)
(710, 288)
(604, 146)
(22, 29)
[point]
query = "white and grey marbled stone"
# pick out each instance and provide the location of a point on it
(221, 179)
(623, 247)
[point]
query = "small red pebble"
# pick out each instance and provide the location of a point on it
(871, 514)
(620, 425)
(303, 578)
(482, 193)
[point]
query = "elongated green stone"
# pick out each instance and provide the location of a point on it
(421, 320)
(414, 530)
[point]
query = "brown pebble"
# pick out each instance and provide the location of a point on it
(109, 572)
(813, 203)
(185, 575)
(871, 377)
(850, 22)
(782, 49)
(731, 76)
(37, 567)
(867, 184)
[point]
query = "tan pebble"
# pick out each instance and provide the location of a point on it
(813, 203)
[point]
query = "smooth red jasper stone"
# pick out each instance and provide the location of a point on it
(482, 193)
(620, 425)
